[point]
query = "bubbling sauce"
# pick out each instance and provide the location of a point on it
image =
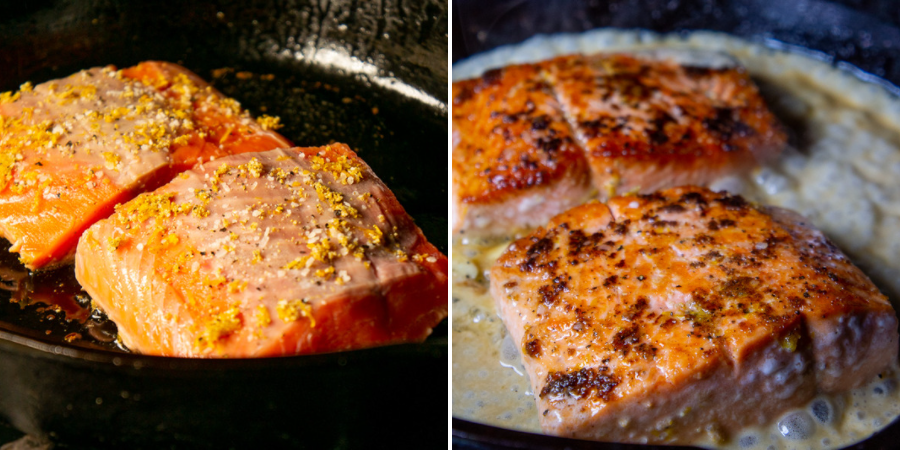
(842, 172)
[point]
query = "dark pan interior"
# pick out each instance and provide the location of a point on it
(852, 34)
(369, 74)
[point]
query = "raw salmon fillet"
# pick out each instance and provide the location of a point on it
(665, 317)
(284, 252)
(527, 138)
(71, 149)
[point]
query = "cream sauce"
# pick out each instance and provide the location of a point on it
(843, 176)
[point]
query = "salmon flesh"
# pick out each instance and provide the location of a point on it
(530, 141)
(73, 148)
(684, 313)
(284, 252)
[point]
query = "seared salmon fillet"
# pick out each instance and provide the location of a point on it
(284, 252)
(526, 138)
(648, 121)
(512, 151)
(660, 318)
(71, 149)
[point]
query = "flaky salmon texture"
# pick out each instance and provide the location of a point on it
(686, 313)
(71, 149)
(285, 252)
(583, 126)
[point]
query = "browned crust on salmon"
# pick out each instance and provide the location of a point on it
(658, 318)
(510, 141)
(648, 124)
(640, 123)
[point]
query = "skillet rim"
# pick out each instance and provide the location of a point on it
(23, 344)
(11, 342)
(467, 434)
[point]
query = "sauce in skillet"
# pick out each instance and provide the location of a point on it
(50, 305)
(841, 174)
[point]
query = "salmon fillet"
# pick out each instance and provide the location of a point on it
(71, 149)
(512, 150)
(649, 121)
(527, 138)
(284, 252)
(665, 317)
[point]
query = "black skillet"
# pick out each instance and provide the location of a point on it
(370, 74)
(861, 33)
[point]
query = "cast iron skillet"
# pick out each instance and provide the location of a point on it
(845, 36)
(370, 74)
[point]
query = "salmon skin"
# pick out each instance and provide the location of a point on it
(662, 318)
(285, 252)
(531, 140)
(71, 149)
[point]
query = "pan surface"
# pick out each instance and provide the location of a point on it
(369, 74)
(851, 37)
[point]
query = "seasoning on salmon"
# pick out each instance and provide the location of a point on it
(71, 149)
(284, 252)
(523, 135)
(685, 313)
